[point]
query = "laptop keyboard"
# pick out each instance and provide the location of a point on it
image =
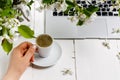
(104, 8)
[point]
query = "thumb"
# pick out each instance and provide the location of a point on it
(30, 53)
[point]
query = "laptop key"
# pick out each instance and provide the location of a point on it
(55, 13)
(110, 5)
(98, 13)
(105, 5)
(100, 5)
(103, 9)
(109, 2)
(116, 14)
(78, 2)
(104, 13)
(89, 5)
(114, 9)
(83, 2)
(99, 9)
(114, 2)
(65, 14)
(93, 2)
(105, 2)
(108, 9)
(60, 13)
(110, 13)
(85, 5)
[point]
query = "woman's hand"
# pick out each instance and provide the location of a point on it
(21, 57)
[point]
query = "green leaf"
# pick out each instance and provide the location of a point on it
(68, 2)
(8, 12)
(89, 11)
(80, 23)
(113, 0)
(46, 1)
(4, 30)
(25, 31)
(92, 9)
(0, 32)
(6, 45)
(119, 12)
(67, 10)
(9, 2)
(4, 3)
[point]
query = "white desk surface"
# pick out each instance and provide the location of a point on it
(87, 59)
(92, 61)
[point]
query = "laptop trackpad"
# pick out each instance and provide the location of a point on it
(95, 29)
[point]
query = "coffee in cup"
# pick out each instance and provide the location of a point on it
(44, 43)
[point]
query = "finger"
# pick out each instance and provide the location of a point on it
(35, 47)
(32, 59)
(24, 45)
(23, 52)
(30, 53)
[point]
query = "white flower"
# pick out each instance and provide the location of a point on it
(60, 7)
(57, 5)
(6, 36)
(101, 1)
(111, 8)
(117, 1)
(15, 36)
(64, 6)
(72, 19)
(27, 1)
(12, 31)
(91, 19)
(40, 9)
(12, 23)
(7, 25)
(116, 30)
(93, 16)
(118, 7)
(82, 17)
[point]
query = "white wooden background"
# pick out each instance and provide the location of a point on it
(87, 59)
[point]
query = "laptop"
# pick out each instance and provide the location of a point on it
(105, 25)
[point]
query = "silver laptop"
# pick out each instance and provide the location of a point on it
(105, 25)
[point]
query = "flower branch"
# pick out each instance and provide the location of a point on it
(11, 12)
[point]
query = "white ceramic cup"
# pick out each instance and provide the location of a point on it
(44, 48)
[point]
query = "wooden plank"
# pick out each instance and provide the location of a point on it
(96, 62)
(4, 60)
(38, 19)
(118, 49)
(27, 75)
(55, 72)
(36, 24)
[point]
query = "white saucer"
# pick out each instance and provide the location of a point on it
(54, 56)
